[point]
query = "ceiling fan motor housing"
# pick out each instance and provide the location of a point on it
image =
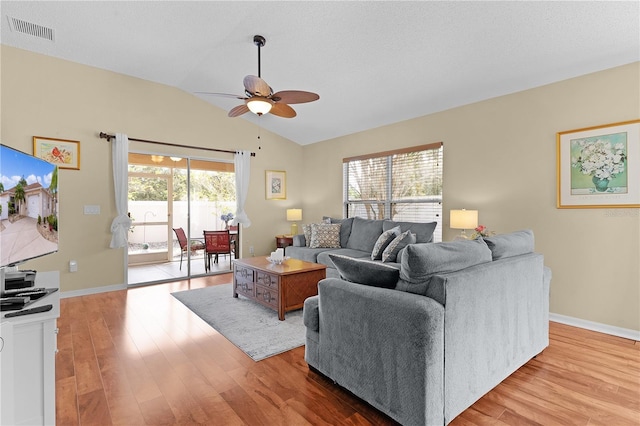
(259, 41)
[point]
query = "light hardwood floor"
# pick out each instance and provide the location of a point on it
(138, 356)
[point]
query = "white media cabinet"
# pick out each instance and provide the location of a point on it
(28, 346)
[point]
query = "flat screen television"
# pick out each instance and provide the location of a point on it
(28, 207)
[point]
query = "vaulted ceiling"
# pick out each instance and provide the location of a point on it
(372, 63)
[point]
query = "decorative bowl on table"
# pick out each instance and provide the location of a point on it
(277, 261)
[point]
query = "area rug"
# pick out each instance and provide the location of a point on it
(250, 326)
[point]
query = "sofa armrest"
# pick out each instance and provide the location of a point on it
(496, 319)
(299, 240)
(364, 346)
(310, 316)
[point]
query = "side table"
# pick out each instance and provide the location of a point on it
(283, 241)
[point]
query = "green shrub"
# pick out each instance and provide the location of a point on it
(53, 222)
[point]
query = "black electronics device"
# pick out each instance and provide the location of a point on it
(36, 310)
(13, 303)
(19, 280)
(17, 291)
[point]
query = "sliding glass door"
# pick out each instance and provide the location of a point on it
(172, 200)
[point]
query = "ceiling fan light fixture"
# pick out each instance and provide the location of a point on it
(259, 105)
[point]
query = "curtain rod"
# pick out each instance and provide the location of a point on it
(108, 137)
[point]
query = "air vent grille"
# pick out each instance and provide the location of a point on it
(25, 27)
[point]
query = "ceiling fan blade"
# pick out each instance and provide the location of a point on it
(223, 95)
(294, 97)
(238, 111)
(282, 110)
(256, 86)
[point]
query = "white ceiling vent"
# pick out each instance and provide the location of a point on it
(25, 27)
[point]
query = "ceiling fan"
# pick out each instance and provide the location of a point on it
(259, 97)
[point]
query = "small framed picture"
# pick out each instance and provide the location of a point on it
(276, 185)
(599, 167)
(61, 152)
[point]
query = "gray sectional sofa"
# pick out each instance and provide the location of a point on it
(357, 238)
(458, 319)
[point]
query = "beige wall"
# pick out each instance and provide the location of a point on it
(500, 159)
(43, 96)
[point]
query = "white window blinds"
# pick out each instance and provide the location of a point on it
(402, 185)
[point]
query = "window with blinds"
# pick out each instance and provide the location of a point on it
(402, 185)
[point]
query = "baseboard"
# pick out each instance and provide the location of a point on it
(95, 290)
(596, 326)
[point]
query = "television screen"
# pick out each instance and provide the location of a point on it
(28, 207)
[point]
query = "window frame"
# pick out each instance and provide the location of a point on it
(389, 201)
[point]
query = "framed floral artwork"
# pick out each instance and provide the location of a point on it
(599, 167)
(61, 152)
(276, 185)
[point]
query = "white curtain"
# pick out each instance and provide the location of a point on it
(242, 161)
(121, 224)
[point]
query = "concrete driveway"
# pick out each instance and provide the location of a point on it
(21, 240)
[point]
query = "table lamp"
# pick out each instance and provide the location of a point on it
(294, 215)
(463, 219)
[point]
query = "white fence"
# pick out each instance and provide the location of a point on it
(205, 215)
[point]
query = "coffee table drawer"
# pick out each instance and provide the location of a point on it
(267, 295)
(245, 288)
(267, 280)
(243, 275)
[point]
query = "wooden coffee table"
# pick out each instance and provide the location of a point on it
(282, 287)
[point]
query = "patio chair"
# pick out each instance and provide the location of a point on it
(233, 235)
(184, 244)
(216, 243)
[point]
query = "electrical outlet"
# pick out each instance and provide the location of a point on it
(251, 251)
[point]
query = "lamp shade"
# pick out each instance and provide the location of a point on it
(463, 219)
(294, 214)
(259, 105)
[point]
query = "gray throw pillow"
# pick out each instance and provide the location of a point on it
(513, 244)
(401, 241)
(421, 261)
(306, 230)
(383, 241)
(367, 272)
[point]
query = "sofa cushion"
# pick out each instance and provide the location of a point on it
(401, 241)
(383, 241)
(423, 230)
(364, 271)
(364, 234)
(513, 244)
(324, 259)
(305, 253)
(325, 235)
(421, 261)
(345, 228)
